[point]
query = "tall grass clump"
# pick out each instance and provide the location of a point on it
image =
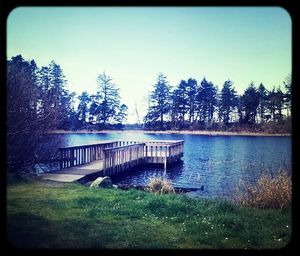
(160, 185)
(268, 192)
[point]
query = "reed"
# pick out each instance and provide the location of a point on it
(160, 185)
(268, 192)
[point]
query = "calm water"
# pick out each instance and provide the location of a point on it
(218, 163)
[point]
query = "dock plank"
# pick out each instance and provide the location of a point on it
(74, 173)
(62, 177)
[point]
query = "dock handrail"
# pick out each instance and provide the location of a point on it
(79, 155)
(122, 157)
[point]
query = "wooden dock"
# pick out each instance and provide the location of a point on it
(106, 158)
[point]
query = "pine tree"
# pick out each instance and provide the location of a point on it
(228, 101)
(121, 116)
(83, 108)
(288, 95)
(175, 108)
(191, 99)
(161, 100)
(263, 97)
(279, 103)
(182, 100)
(106, 102)
(250, 102)
(207, 100)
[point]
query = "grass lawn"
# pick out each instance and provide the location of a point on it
(54, 215)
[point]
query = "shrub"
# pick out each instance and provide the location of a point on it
(268, 192)
(160, 185)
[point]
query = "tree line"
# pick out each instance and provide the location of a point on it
(38, 101)
(199, 106)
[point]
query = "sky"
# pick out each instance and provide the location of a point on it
(134, 44)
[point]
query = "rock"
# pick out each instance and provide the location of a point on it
(102, 182)
(38, 169)
(115, 186)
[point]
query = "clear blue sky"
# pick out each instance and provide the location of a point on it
(134, 44)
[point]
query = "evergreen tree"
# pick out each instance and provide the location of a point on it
(263, 97)
(275, 104)
(175, 108)
(228, 101)
(161, 99)
(121, 116)
(94, 110)
(60, 98)
(250, 102)
(191, 99)
(207, 100)
(83, 108)
(279, 103)
(45, 99)
(288, 95)
(271, 103)
(240, 108)
(106, 102)
(182, 100)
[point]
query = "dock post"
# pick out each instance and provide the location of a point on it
(61, 159)
(165, 160)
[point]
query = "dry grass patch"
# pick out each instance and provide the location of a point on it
(161, 186)
(268, 192)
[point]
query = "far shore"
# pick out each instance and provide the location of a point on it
(208, 133)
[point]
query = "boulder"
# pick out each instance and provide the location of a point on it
(102, 182)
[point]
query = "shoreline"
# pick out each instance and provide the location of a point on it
(208, 133)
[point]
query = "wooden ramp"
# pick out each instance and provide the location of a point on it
(75, 173)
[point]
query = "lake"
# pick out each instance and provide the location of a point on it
(218, 163)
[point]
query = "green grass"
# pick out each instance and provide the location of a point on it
(49, 215)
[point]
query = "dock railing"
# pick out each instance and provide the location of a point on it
(160, 152)
(120, 158)
(79, 155)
